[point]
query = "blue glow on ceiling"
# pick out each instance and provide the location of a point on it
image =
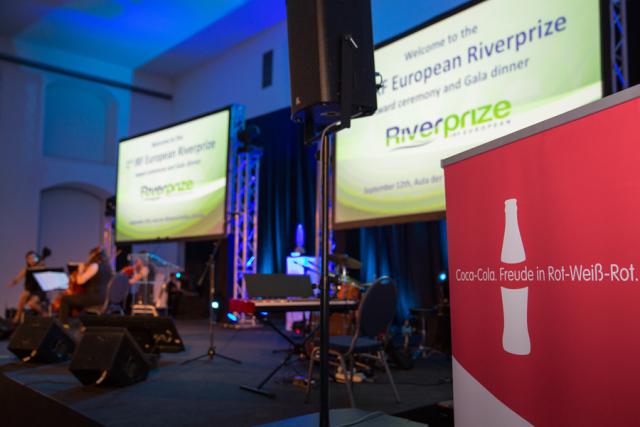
(239, 25)
(173, 35)
(125, 32)
(393, 17)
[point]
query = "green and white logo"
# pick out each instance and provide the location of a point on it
(425, 132)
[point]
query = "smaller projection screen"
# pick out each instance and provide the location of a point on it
(463, 80)
(172, 182)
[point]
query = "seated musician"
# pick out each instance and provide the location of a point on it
(32, 295)
(93, 276)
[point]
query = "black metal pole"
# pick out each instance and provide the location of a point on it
(211, 267)
(324, 296)
(84, 76)
(212, 292)
(324, 273)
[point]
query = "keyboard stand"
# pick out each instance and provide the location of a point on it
(295, 349)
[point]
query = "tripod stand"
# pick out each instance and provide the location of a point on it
(211, 268)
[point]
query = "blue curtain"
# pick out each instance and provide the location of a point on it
(287, 190)
(413, 254)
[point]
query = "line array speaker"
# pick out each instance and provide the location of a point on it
(316, 30)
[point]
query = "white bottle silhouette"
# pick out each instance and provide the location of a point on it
(512, 248)
(515, 335)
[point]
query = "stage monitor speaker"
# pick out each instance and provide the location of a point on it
(109, 356)
(41, 339)
(153, 334)
(317, 29)
(5, 329)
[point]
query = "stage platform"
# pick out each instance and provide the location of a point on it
(206, 393)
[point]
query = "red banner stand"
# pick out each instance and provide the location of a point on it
(544, 250)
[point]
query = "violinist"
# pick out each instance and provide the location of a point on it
(93, 276)
(141, 275)
(32, 296)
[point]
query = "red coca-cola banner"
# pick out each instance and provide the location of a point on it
(544, 250)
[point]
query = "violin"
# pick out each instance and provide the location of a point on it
(128, 270)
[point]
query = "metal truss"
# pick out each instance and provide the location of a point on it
(245, 217)
(236, 124)
(619, 51)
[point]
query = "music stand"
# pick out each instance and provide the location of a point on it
(50, 279)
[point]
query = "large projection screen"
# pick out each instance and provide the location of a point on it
(476, 75)
(172, 182)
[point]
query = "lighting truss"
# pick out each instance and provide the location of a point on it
(619, 52)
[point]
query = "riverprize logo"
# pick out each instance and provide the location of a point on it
(157, 191)
(418, 133)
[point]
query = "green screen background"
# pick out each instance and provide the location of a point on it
(563, 72)
(198, 208)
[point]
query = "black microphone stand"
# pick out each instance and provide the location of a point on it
(211, 268)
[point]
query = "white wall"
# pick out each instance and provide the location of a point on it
(70, 232)
(20, 181)
(26, 172)
(147, 114)
(235, 76)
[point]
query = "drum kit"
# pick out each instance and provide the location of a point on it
(344, 287)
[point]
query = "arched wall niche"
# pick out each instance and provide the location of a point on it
(71, 221)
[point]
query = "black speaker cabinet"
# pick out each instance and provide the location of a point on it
(316, 29)
(108, 356)
(153, 334)
(41, 339)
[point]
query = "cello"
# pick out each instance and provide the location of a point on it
(74, 287)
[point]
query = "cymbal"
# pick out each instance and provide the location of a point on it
(346, 260)
(346, 280)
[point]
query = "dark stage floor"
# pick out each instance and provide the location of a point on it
(207, 393)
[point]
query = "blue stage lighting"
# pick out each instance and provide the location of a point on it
(442, 276)
(215, 305)
(232, 317)
(178, 275)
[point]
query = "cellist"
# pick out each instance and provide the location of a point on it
(93, 276)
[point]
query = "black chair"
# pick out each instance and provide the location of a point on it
(376, 311)
(117, 291)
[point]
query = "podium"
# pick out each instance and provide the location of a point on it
(158, 300)
(544, 244)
